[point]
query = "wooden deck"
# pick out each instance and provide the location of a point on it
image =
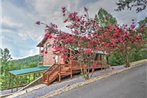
(56, 71)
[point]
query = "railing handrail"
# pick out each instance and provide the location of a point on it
(49, 69)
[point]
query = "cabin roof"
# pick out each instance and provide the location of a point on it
(42, 42)
(29, 70)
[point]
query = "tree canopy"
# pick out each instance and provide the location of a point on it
(5, 56)
(139, 5)
(104, 18)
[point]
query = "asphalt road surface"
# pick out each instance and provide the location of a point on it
(128, 84)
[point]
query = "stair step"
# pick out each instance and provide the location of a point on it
(65, 73)
(45, 82)
(66, 69)
(52, 77)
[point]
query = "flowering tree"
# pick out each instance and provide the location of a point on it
(123, 39)
(87, 37)
(80, 42)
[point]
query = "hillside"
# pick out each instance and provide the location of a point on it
(28, 60)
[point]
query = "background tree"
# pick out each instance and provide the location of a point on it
(144, 21)
(129, 4)
(5, 58)
(104, 18)
(7, 64)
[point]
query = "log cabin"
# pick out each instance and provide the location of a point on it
(58, 67)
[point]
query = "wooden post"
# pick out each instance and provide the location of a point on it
(99, 59)
(34, 76)
(29, 78)
(12, 84)
(9, 80)
(59, 72)
(70, 65)
(17, 82)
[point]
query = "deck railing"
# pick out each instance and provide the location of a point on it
(49, 71)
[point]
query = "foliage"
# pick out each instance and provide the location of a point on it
(6, 80)
(124, 40)
(104, 19)
(138, 55)
(26, 61)
(5, 57)
(144, 21)
(115, 60)
(129, 4)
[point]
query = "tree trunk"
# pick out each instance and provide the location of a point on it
(126, 58)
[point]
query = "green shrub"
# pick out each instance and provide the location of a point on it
(115, 60)
(138, 55)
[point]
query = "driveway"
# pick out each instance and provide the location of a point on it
(128, 84)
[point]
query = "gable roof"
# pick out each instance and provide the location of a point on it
(42, 42)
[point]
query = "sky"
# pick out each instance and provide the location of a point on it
(20, 34)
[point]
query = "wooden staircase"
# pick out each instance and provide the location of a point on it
(56, 71)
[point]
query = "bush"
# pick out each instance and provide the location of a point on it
(115, 60)
(138, 55)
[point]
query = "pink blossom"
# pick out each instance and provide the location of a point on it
(132, 26)
(114, 40)
(42, 51)
(77, 19)
(120, 40)
(88, 51)
(142, 26)
(125, 34)
(63, 50)
(75, 31)
(84, 65)
(56, 49)
(65, 20)
(139, 36)
(116, 32)
(48, 35)
(69, 26)
(93, 41)
(97, 47)
(63, 10)
(89, 45)
(46, 52)
(111, 44)
(72, 15)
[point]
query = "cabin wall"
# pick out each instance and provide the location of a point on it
(49, 58)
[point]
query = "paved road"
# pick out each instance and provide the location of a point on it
(76, 79)
(128, 84)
